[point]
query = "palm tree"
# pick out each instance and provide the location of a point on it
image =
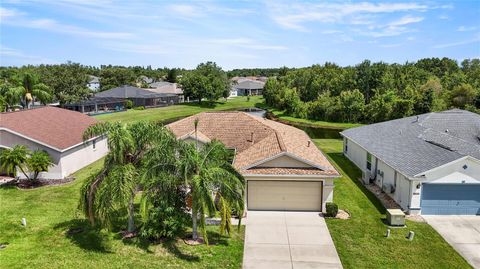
(30, 89)
(113, 189)
(13, 159)
(10, 95)
(207, 171)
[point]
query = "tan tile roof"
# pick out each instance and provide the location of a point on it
(270, 139)
(56, 127)
(289, 171)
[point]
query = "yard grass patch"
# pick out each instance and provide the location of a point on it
(171, 113)
(47, 243)
(306, 122)
(360, 241)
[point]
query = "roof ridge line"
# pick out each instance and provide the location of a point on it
(447, 134)
(281, 144)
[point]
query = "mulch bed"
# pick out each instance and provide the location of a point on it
(386, 200)
(342, 214)
(28, 184)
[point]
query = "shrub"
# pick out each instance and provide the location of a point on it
(165, 221)
(167, 216)
(332, 210)
(139, 108)
(128, 104)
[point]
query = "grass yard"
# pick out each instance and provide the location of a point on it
(309, 123)
(360, 241)
(171, 113)
(47, 243)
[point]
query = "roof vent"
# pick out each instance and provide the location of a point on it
(308, 143)
(251, 137)
(446, 130)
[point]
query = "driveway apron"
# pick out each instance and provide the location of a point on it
(462, 233)
(276, 239)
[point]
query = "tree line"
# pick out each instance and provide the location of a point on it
(374, 92)
(67, 83)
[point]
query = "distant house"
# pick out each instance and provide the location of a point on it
(247, 87)
(144, 80)
(93, 83)
(97, 104)
(429, 164)
(140, 97)
(283, 168)
(57, 131)
(168, 88)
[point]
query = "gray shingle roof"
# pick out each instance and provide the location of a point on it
(249, 85)
(159, 84)
(413, 146)
(131, 92)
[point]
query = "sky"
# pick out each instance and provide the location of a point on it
(236, 34)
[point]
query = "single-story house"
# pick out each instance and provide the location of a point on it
(140, 97)
(429, 164)
(97, 104)
(283, 168)
(247, 87)
(168, 88)
(57, 131)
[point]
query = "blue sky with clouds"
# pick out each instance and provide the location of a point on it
(236, 34)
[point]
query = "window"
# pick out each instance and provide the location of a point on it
(94, 143)
(369, 161)
(346, 145)
(395, 179)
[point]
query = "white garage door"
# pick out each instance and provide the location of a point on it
(284, 195)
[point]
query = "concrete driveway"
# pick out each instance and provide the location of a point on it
(462, 232)
(288, 240)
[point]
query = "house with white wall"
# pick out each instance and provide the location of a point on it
(58, 132)
(93, 83)
(429, 164)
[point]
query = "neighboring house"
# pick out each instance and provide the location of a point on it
(167, 87)
(140, 97)
(142, 80)
(57, 131)
(93, 83)
(283, 168)
(429, 164)
(97, 104)
(247, 87)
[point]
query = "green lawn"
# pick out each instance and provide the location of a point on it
(360, 241)
(305, 122)
(46, 242)
(171, 113)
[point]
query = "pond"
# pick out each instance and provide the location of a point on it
(313, 132)
(255, 111)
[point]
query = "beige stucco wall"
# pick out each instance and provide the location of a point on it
(284, 161)
(328, 184)
(64, 163)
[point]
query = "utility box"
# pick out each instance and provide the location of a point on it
(395, 217)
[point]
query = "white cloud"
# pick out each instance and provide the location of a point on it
(17, 55)
(8, 12)
(14, 18)
(294, 16)
(185, 10)
(466, 28)
(246, 43)
(459, 43)
(406, 20)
